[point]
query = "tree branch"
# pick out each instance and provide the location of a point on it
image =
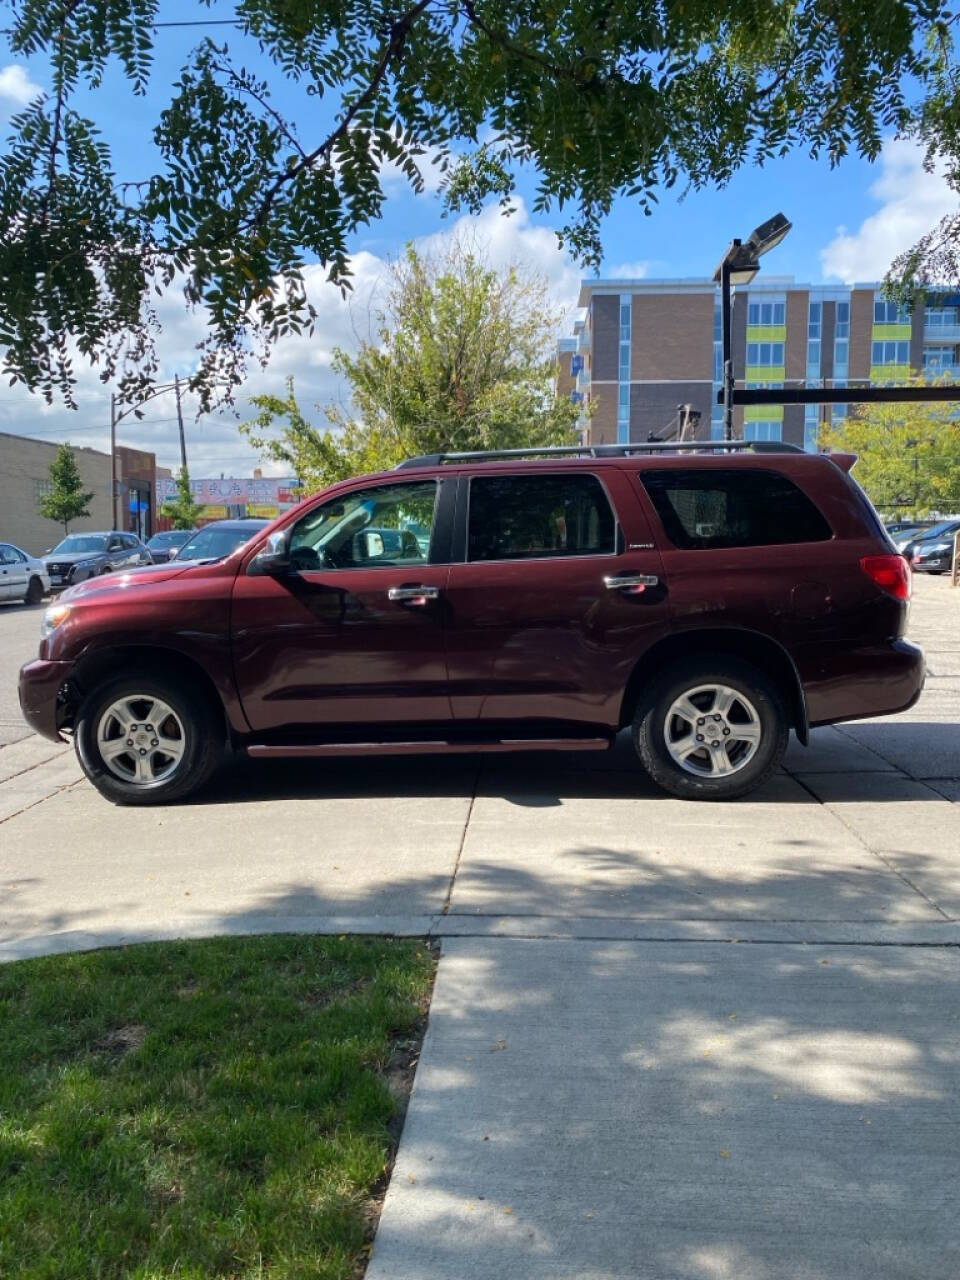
(399, 32)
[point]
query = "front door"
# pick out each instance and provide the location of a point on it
(354, 634)
(13, 574)
(560, 594)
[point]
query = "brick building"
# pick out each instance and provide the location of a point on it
(25, 478)
(643, 347)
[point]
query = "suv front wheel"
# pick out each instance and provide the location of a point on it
(711, 730)
(143, 740)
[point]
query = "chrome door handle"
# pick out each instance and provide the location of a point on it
(414, 595)
(620, 581)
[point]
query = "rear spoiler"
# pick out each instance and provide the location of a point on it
(845, 461)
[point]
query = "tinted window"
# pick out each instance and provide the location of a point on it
(733, 509)
(381, 527)
(529, 517)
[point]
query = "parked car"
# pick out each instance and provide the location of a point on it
(88, 555)
(164, 546)
(910, 533)
(941, 532)
(22, 576)
(934, 554)
(218, 539)
(710, 600)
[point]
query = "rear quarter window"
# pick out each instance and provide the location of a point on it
(706, 509)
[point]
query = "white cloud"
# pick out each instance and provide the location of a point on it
(16, 87)
(912, 202)
(635, 270)
(213, 444)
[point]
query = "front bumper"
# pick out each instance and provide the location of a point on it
(40, 701)
(878, 680)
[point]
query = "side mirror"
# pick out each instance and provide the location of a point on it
(274, 557)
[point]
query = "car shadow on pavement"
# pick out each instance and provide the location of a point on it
(541, 779)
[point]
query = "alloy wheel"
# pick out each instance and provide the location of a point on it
(712, 731)
(141, 739)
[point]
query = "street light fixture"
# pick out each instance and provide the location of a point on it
(739, 265)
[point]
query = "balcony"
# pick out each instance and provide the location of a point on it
(941, 333)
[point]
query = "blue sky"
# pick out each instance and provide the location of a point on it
(848, 224)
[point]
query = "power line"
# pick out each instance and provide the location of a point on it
(211, 22)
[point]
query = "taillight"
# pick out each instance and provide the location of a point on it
(891, 573)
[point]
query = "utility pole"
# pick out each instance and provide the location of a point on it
(113, 455)
(183, 442)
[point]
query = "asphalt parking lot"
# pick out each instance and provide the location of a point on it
(589, 1000)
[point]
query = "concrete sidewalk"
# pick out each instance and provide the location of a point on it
(629, 1111)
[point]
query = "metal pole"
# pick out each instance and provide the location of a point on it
(113, 455)
(727, 327)
(183, 442)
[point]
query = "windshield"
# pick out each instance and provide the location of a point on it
(213, 544)
(77, 542)
(945, 526)
(175, 538)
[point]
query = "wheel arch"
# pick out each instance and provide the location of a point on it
(749, 646)
(114, 660)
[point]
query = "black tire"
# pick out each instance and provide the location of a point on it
(203, 736)
(34, 591)
(650, 728)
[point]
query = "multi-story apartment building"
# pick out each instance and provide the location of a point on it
(644, 347)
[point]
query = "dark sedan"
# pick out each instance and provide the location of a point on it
(164, 546)
(941, 536)
(87, 555)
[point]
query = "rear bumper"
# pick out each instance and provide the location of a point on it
(40, 703)
(879, 680)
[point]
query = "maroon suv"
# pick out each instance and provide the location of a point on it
(710, 597)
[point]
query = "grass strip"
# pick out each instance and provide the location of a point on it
(204, 1110)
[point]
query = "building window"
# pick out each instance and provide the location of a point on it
(41, 488)
(813, 359)
(716, 422)
(766, 353)
(816, 315)
(811, 427)
(841, 345)
(890, 353)
(939, 357)
(767, 313)
(843, 320)
(890, 313)
(623, 371)
(768, 430)
(940, 317)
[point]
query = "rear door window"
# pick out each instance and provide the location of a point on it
(706, 509)
(533, 517)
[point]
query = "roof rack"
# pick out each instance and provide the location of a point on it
(605, 451)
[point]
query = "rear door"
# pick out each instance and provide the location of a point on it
(354, 634)
(555, 593)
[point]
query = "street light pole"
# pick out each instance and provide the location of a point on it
(726, 323)
(113, 456)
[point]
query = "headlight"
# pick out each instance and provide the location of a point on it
(52, 618)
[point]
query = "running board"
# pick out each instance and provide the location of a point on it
(432, 748)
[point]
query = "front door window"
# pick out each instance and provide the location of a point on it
(384, 526)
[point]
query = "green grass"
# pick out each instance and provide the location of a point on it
(201, 1110)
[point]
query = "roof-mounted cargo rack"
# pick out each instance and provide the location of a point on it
(605, 451)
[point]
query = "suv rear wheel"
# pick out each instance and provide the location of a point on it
(143, 740)
(711, 730)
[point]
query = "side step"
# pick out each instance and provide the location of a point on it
(426, 748)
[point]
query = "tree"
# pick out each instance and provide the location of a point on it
(182, 510)
(599, 100)
(909, 454)
(66, 501)
(464, 359)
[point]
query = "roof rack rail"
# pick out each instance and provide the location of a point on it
(605, 451)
